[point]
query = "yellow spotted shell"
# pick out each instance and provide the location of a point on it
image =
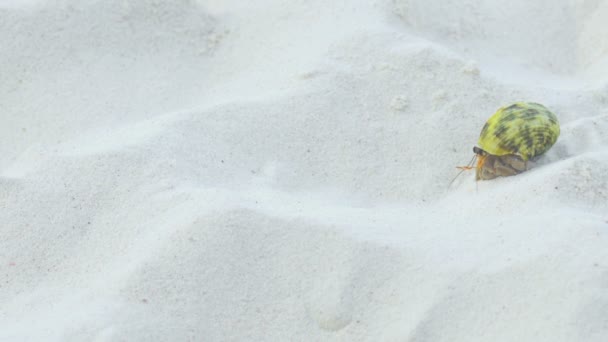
(525, 129)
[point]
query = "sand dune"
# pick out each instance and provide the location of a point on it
(219, 171)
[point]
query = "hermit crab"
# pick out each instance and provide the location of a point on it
(511, 137)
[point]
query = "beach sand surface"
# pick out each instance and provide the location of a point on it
(222, 170)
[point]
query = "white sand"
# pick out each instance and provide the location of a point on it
(218, 171)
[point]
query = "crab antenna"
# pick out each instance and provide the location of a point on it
(463, 168)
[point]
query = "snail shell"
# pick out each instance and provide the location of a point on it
(512, 136)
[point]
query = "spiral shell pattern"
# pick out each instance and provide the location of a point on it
(525, 129)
